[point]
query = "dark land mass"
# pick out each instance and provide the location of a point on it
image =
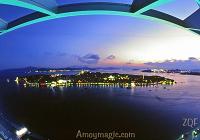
(93, 78)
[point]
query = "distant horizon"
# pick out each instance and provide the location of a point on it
(88, 67)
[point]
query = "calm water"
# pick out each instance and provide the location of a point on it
(58, 113)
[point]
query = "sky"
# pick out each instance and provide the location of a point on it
(100, 41)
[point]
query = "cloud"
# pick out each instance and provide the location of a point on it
(193, 59)
(89, 59)
(111, 57)
(190, 63)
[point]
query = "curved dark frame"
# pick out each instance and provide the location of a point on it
(135, 10)
(74, 8)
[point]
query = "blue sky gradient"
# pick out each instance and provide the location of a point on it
(98, 41)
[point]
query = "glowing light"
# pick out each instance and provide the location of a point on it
(17, 80)
(61, 81)
(133, 84)
(82, 72)
(111, 77)
(21, 132)
(53, 84)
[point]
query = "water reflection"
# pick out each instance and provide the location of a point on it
(136, 106)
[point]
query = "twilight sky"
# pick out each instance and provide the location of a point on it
(101, 41)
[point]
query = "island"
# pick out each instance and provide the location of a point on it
(177, 71)
(87, 78)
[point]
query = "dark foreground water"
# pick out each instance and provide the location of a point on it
(58, 113)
